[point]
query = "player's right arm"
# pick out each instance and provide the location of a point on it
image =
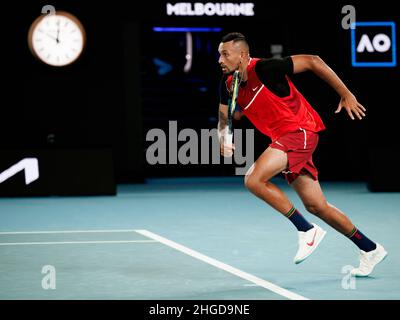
(225, 149)
(223, 107)
(222, 118)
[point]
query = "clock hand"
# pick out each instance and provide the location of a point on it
(50, 36)
(58, 31)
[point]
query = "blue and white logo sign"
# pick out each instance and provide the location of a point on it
(373, 44)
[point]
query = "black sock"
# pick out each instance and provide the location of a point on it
(298, 220)
(361, 240)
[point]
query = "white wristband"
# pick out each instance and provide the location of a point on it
(222, 133)
(228, 138)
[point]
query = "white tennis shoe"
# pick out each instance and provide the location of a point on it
(368, 261)
(308, 242)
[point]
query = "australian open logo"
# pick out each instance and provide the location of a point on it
(373, 44)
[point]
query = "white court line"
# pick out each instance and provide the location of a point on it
(67, 231)
(73, 242)
(244, 275)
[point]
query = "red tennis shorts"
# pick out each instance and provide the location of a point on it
(299, 147)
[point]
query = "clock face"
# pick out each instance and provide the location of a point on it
(57, 39)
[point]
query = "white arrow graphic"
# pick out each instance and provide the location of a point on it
(31, 167)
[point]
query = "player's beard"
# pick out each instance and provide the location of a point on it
(228, 71)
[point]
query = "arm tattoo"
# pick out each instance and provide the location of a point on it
(222, 119)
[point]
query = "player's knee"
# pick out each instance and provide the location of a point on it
(252, 182)
(255, 183)
(317, 208)
(249, 177)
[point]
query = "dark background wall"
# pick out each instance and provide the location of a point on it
(113, 95)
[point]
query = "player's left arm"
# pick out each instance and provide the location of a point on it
(315, 64)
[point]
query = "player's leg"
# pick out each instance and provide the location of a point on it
(310, 192)
(269, 164)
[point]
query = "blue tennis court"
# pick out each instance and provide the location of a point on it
(189, 238)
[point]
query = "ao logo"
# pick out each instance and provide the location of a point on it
(381, 43)
(373, 44)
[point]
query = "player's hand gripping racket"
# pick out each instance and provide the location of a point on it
(233, 93)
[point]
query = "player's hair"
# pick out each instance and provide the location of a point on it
(235, 37)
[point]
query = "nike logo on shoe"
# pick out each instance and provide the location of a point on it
(312, 242)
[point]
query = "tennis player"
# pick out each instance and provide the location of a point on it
(270, 100)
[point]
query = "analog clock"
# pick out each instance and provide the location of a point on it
(57, 39)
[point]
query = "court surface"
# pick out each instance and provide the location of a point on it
(189, 238)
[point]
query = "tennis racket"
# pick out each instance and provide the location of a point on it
(233, 93)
